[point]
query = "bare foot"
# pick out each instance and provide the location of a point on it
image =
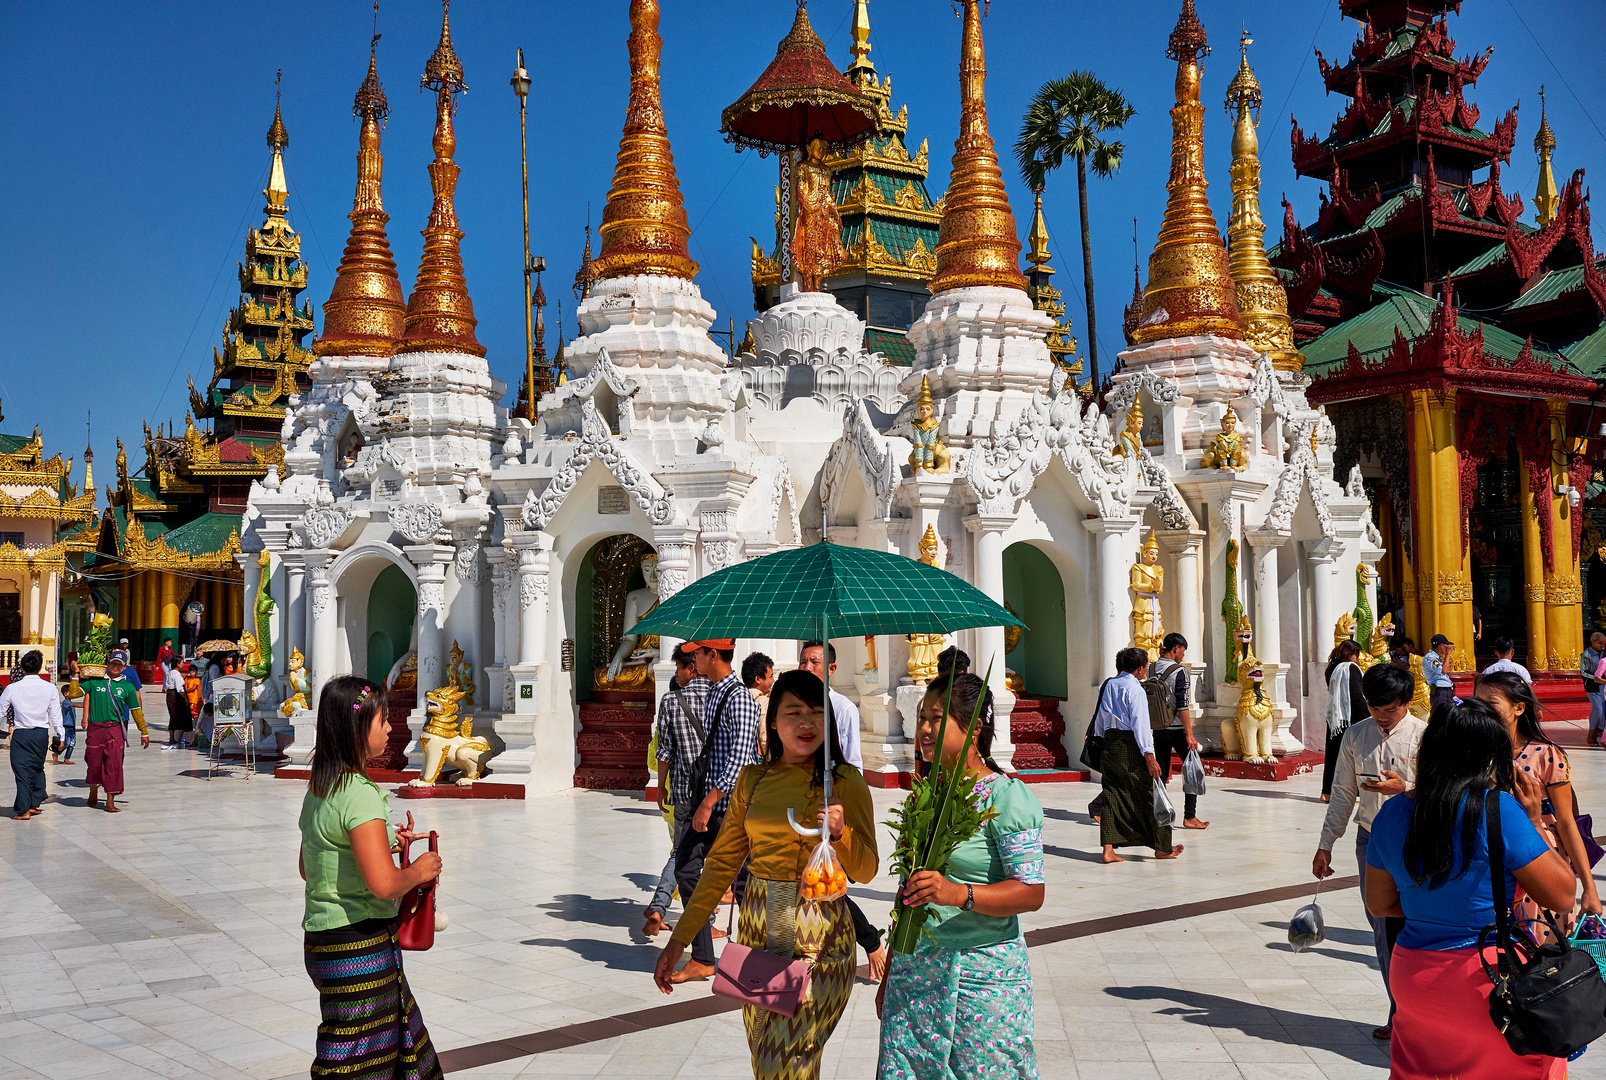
(878, 964)
(1110, 856)
(654, 924)
(692, 970)
(94, 799)
(1327, 798)
(24, 816)
(1383, 1034)
(1195, 823)
(113, 808)
(1173, 853)
(718, 933)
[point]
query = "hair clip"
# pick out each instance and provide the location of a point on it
(365, 692)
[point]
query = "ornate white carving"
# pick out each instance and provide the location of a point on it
(323, 525)
(1356, 489)
(597, 442)
(417, 520)
(532, 578)
(323, 595)
(431, 596)
(1168, 503)
(808, 345)
(1300, 474)
(468, 563)
(1162, 390)
(861, 446)
(1265, 386)
(1002, 468)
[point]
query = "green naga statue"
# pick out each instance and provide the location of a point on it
(258, 647)
(1231, 610)
(1363, 608)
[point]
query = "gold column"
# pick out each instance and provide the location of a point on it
(152, 602)
(1454, 577)
(1421, 574)
(1533, 572)
(127, 603)
(236, 594)
(1564, 626)
(170, 584)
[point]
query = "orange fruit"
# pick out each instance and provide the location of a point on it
(811, 876)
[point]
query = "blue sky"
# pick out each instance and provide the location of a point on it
(135, 151)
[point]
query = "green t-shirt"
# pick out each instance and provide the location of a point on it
(106, 700)
(336, 893)
(1009, 847)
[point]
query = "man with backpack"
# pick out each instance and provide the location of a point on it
(1167, 690)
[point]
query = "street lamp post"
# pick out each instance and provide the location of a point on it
(521, 86)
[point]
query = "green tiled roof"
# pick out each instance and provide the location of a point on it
(897, 237)
(1552, 285)
(897, 348)
(206, 534)
(843, 183)
(1372, 332)
(1480, 262)
(1588, 353)
(10, 444)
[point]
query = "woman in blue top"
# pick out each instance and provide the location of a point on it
(960, 1006)
(1433, 844)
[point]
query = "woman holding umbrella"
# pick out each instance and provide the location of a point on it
(756, 828)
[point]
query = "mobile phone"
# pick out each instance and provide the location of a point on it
(1367, 778)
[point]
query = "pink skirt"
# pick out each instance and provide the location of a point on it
(1442, 1027)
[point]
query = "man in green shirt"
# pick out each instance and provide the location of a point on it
(104, 701)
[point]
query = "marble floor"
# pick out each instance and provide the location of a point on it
(165, 941)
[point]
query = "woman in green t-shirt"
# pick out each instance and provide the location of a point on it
(961, 1004)
(371, 1025)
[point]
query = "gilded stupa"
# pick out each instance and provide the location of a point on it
(1547, 198)
(1262, 301)
(365, 314)
(1190, 290)
(977, 242)
(644, 228)
(440, 315)
(1045, 297)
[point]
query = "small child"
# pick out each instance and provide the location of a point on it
(207, 717)
(69, 722)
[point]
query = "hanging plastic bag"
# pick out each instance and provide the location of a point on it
(823, 876)
(1193, 774)
(1165, 815)
(1306, 929)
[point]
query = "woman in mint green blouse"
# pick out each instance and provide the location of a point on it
(371, 1025)
(960, 1006)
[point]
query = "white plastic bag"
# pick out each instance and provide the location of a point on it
(1306, 929)
(1165, 815)
(1193, 774)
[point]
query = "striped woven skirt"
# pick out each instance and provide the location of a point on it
(772, 918)
(371, 1025)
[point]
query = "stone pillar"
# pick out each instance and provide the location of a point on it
(1529, 507)
(885, 746)
(500, 699)
(532, 603)
(674, 545)
(1188, 547)
(321, 623)
(1564, 625)
(538, 739)
(465, 604)
(989, 532)
(34, 634)
(1268, 626)
(1116, 541)
(294, 608)
(431, 560)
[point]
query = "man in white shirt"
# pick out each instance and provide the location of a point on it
(1128, 767)
(1376, 761)
(35, 710)
(179, 719)
(846, 714)
(1503, 648)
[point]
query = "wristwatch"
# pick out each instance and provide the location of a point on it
(970, 898)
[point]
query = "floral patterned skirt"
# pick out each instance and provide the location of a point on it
(958, 1014)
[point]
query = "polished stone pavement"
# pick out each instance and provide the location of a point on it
(165, 941)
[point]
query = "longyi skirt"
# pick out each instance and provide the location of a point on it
(1442, 1027)
(371, 1027)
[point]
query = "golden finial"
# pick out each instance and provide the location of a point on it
(1547, 199)
(365, 315)
(440, 315)
(644, 229)
(977, 242)
(1190, 288)
(277, 191)
(1262, 301)
(861, 36)
(1037, 240)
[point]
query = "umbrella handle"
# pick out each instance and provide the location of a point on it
(791, 819)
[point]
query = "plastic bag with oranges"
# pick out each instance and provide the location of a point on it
(823, 877)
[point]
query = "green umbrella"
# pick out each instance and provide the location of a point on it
(802, 592)
(814, 591)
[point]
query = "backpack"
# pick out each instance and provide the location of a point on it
(1162, 694)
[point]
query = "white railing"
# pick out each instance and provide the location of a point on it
(10, 654)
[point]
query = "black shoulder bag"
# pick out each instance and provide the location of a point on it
(1093, 745)
(1547, 999)
(700, 767)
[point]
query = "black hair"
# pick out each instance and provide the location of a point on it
(1464, 748)
(830, 650)
(1173, 640)
(32, 661)
(1344, 651)
(727, 655)
(1512, 687)
(346, 710)
(953, 659)
(1131, 659)
(1504, 645)
(808, 689)
(683, 657)
(754, 667)
(1385, 685)
(967, 689)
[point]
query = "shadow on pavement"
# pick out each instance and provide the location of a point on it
(1346, 1038)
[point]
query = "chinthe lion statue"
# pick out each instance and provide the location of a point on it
(1377, 650)
(1255, 723)
(1344, 629)
(448, 742)
(1421, 698)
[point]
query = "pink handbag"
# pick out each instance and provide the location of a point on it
(762, 979)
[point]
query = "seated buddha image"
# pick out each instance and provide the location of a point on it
(629, 667)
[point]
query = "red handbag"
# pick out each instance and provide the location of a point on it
(416, 931)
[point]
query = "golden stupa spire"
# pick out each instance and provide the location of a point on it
(1190, 288)
(1037, 240)
(1262, 301)
(1547, 200)
(644, 229)
(277, 191)
(861, 36)
(976, 243)
(365, 315)
(440, 315)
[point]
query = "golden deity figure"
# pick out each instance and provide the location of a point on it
(924, 648)
(298, 683)
(929, 455)
(1344, 629)
(1013, 680)
(817, 232)
(1148, 581)
(630, 668)
(1226, 450)
(448, 741)
(1377, 649)
(460, 673)
(1131, 440)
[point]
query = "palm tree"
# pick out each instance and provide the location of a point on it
(1068, 118)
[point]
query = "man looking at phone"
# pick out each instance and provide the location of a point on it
(1376, 761)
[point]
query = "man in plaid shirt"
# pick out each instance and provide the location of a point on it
(731, 725)
(679, 739)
